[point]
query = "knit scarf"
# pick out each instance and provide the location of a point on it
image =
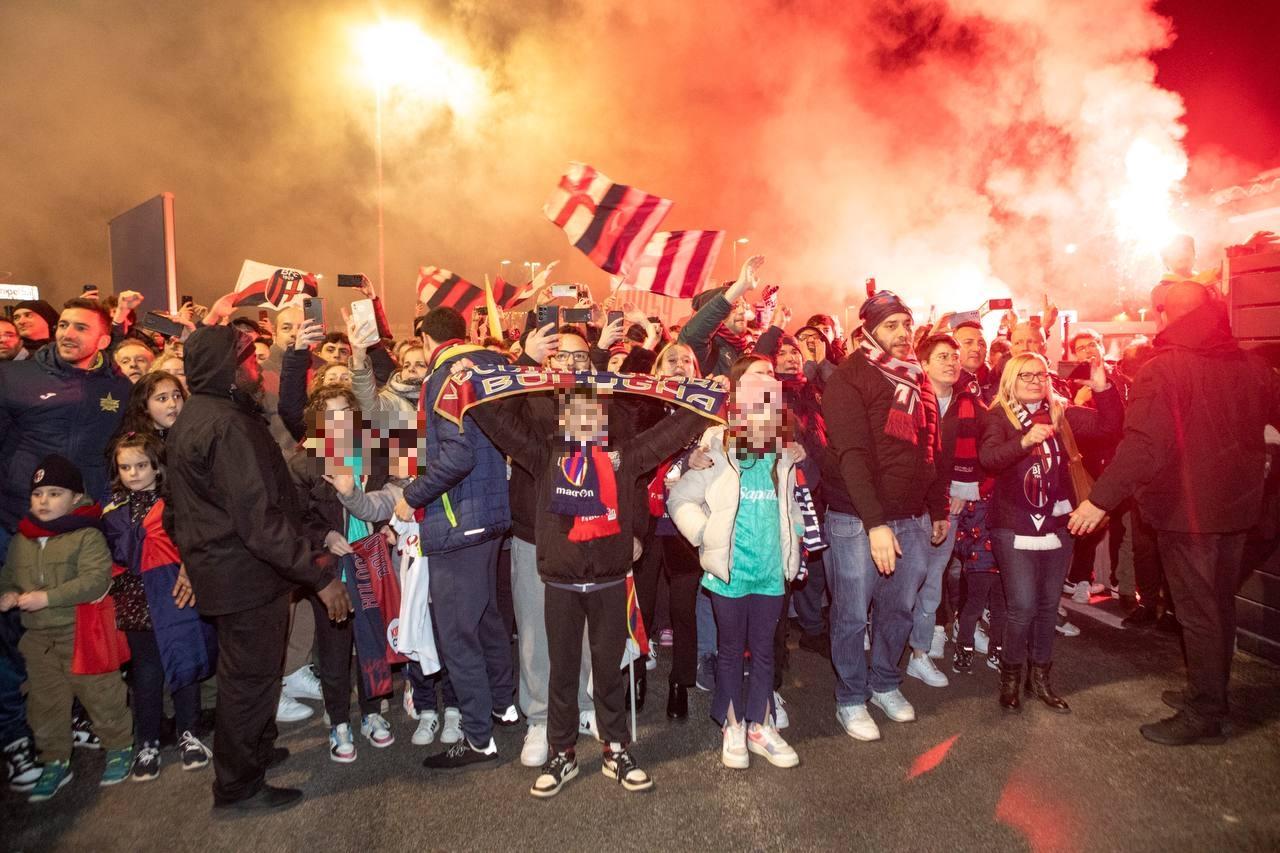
(585, 488)
(1044, 499)
(739, 342)
(78, 519)
(965, 472)
(908, 414)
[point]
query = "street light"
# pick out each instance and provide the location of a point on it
(741, 241)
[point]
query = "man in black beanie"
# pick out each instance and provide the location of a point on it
(36, 320)
(882, 489)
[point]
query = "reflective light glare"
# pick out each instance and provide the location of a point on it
(398, 54)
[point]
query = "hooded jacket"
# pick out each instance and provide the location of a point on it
(48, 406)
(1193, 450)
(232, 508)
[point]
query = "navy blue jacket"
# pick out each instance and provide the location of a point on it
(48, 406)
(464, 482)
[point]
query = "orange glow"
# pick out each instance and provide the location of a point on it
(399, 55)
(931, 757)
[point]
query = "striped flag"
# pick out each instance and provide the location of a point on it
(637, 646)
(609, 223)
(263, 284)
(676, 263)
(443, 288)
(505, 293)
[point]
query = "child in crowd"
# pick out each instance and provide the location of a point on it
(59, 559)
(169, 645)
(742, 515)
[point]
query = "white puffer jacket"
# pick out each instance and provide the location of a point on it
(704, 506)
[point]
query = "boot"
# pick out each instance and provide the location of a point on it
(1038, 684)
(1011, 686)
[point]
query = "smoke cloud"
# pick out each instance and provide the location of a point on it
(952, 149)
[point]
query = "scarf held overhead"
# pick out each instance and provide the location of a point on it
(912, 400)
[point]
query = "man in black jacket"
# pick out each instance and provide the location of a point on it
(1194, 456)
(232, 511)
(882, 488)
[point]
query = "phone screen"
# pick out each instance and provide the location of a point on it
(548, 315)
(313, 309)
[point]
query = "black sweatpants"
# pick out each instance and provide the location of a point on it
(251, 646)
(604, 611)
(334, 643)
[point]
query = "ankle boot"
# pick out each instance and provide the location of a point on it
(1038, 684)
(1011, 686)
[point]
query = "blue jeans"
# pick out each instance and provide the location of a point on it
(1032, 586)
(745, 623)
(706, 624)
(855, 587)
(924, 614)
(13, 671)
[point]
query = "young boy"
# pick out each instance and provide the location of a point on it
(60, 559)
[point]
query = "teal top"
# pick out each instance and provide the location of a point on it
(756, 566)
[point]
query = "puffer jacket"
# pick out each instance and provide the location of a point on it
(48, 406)
(704, 506)
(464, 481)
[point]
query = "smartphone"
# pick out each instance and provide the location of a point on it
(1075, 370)
(564, 291)
(996, 305)
(88, 287)
(576, 315)
(313, 309)
(264, 316)
(156, 322)
(187, 300)
(362, 312)
(613, 317)
(350, 279)
(548, 315)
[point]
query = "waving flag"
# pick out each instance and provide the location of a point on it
(637, 646)
(443, 288)
(609, 223)
(263, 284)
(676, 263)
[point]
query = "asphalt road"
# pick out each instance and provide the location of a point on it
(963, 777)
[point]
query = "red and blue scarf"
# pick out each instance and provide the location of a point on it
(586, 489)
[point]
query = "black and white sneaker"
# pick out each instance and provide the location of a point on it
(559, 769)
(23, 769)
(508, 718)
(146, 763)
(462, 754)
(993, 659)
(962, 660)
(82, 734)
(622, 767)
(195, 754)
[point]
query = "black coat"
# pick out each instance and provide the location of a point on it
(232, 509)
(1193, 450)
(867, 472)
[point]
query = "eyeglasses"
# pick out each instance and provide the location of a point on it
(1034, 378)
(576, 358)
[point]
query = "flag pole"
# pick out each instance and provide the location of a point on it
(631, 673)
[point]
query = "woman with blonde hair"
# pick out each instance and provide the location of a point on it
(1029, 446)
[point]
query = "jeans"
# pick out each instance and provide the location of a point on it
(334, 642)
(706, 625)
(808, 598)
(146, 679)
(1032, 586)
(1203, 571)
(982, 590)
(925, 613)
(856, 586)
(745, 623)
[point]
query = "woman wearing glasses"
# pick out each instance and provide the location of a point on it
(1029, 445)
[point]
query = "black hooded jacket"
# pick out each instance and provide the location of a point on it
(1193, 449)
(232, 509)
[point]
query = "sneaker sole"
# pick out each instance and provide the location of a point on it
(342, 759)
(375, 744)
(633, 787)
(530, 762)
(417, 741)
(299, 695)
(446, 738)
(295, 719)
(150, 778)
(867, 737)
(195, 765)
(928, 683)
(42, 797)
(910, 719)
(547, 793)
(734, 762)
(109, 783)
(86, 745)
(791, 760)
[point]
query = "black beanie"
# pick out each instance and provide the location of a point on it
(881, 307)
(55, 470)
(44, 309)
(705, 296)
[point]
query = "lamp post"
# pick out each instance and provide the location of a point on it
(741, 241)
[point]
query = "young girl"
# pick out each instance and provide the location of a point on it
(742, 515)
(170, 645)
(154, 404)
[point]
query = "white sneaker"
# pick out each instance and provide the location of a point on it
(452, 726)
(780, 718)
(733, 747)
(428, 727)
(406, 700)
(765, 740)
(302, 683)
(291, 710)
(651, 662)
(1081, 594)
(938, 645)
(981, 641)
(857, 722)
(377, 730)
(1099, 589)
(923, 668)
(895, 706)
(342, 747)
(587, 724)
(535, 751)
(1064, 627)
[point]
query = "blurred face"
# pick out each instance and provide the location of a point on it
(583, 418)
(790, 360)
(756, 403)
(287, 323)
(678, 361)
(133, 361)
(1032, 382)
(262, 351)
(339, 375)
(894, 335)
(50, 502)
(31, 325)
(615, 361)
(137, 474)
(737, 320)
(1087, 349)
(413, 365)
(10, 342)
(943, 367)
(164, 404)
(334, 352)
(973, 348)
(175, 367)
(1026, 338)
(574, 355)
(815, 343)
(80, 336)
